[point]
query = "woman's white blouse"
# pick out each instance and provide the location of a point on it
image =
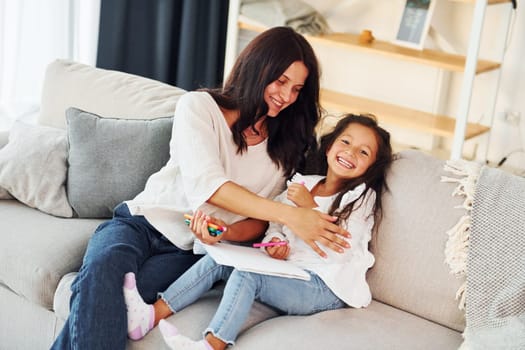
(344, 273)
(203, 157)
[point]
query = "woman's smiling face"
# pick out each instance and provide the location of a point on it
(284, 91)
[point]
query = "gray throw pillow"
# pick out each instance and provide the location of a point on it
(111, 159)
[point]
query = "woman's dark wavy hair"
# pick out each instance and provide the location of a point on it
(375, 176)
(264, 60)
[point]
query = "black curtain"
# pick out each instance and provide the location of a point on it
(179, 42)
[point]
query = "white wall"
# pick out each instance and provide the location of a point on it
(32, 34)
(413, 85)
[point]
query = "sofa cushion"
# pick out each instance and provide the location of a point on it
(111, 159)
(63, 295)
(103, 92)
(22, 325)
(38, 249)
(410, 271)
(33, 167)
(377, 326)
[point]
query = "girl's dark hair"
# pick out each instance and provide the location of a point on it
(375, 176)
(264, 60)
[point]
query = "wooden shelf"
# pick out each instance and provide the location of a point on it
(433, 124)
(490, 2)
(439, 59)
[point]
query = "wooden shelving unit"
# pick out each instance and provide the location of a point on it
(439, 125)
(350, 41)
(455, 127)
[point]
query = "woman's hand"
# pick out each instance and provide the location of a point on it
(199, 226)
(299, 194)
(312, 226)
(315, 227)
(278, 252)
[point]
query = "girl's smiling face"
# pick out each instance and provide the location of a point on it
(284, 91)
(352, 152)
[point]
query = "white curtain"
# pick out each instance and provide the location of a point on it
(33, 33)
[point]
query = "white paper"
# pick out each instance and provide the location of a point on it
(253, 260)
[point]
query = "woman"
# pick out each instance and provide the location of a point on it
(230, 153)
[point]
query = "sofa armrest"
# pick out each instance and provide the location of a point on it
(4, 137)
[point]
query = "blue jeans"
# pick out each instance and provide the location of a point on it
(289, 296)
(98, 318)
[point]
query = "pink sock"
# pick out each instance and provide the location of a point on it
(141, 316)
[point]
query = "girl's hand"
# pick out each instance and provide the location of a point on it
(278, 252)
(315, 227)
(199, 227)
(299, 194)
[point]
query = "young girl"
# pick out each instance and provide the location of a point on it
(230, 152)
(357, 154)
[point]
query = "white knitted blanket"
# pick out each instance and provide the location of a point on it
(488, 246)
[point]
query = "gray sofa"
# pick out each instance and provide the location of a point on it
(414, 305)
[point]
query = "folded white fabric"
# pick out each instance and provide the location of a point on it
(292, 13)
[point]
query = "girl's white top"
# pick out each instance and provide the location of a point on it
(344, 273)
(203, 157)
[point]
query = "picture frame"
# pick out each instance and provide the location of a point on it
(414, 23)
